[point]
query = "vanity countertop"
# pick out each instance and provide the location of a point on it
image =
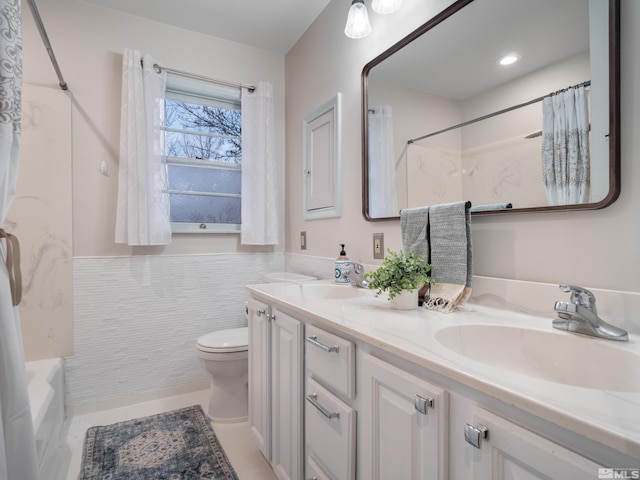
(609, 417)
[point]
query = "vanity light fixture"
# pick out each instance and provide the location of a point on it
(508, 59)
(358, 25)
(384, 7)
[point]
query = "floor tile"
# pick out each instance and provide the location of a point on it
(235, 439)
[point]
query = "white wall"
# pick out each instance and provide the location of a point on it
(137, 312)
(138, 319)
(592, 248)
(88, 42)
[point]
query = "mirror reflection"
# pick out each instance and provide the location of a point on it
(446, 121)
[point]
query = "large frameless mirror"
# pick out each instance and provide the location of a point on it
(444, 120)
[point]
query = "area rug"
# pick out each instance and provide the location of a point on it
(176, 445)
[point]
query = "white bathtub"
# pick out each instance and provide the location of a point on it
(46, 397)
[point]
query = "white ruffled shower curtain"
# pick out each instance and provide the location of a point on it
(383, 197)
(142, 215)
(18, 458)
(260, 222)
(565, 147)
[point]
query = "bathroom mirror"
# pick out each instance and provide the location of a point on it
(443, 121)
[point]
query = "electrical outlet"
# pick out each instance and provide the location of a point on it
(303, 240)
(378, 246)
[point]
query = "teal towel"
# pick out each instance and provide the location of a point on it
(413, 225)
(450, 243)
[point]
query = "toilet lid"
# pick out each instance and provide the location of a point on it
(229, 340)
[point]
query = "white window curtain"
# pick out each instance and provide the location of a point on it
(142, 216)
(383, 197)
(565, 147)
(18, 458)
(260, 222)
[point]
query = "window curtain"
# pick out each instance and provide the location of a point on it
(18, 458)
(383, 197)
(565, 147)
(260, 223)
(142, 215)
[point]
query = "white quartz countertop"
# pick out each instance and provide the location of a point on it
(610, 417)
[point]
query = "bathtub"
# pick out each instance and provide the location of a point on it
(46, 397)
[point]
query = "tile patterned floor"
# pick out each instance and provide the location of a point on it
(236, 440)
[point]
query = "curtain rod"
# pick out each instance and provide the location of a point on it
(499, 112)
(47, 44)
(159, 68)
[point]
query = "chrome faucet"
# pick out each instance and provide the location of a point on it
(580, 316)
(355, 274)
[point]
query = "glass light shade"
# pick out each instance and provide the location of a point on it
(384, 7)
(358, 25)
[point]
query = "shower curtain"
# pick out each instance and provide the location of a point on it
(565, 147)
(18, 458)
(260, 224)
(142, 215)
(383, 197)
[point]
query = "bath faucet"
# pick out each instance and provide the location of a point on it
(355, 274)
(579, 315)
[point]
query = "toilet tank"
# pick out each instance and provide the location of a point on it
(279, 277)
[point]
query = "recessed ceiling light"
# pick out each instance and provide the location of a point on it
(509, 59)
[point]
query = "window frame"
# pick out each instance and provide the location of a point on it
(180, 89)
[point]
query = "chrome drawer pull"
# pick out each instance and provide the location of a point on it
(313, 400)
(475, 435)
(261, 312)
(313, 340)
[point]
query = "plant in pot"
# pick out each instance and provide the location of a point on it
(401, 276)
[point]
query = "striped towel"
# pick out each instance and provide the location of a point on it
(443, 233)
(451, 256)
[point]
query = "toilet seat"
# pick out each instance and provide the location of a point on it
(225, 341)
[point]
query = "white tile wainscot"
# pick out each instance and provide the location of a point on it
(137, 318)
(550, 428)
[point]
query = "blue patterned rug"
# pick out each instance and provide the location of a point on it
(177, 445)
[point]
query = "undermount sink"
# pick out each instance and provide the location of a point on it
(558, 357)
(323, 291)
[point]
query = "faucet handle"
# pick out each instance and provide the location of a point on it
(580, 296)
(358, 269)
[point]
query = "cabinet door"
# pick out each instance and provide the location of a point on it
(511, 452)
(403, 424)
(286, 386)
(259, 375)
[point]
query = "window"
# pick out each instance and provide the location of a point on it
(204, 155)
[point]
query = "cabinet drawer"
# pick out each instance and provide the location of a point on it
(330, 429)
(331, 360)
(314, 471)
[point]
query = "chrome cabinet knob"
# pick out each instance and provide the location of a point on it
(475, 435)
(422, 404)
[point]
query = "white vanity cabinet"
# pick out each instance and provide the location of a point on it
(404, 424)
(276, 387)
(372, 409)
(487, 446)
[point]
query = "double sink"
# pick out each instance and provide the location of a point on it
(542, 352)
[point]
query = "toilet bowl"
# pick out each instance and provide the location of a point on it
(224, 355)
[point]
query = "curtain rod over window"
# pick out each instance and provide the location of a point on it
(47, 44)
(499, 112)
(159, 68)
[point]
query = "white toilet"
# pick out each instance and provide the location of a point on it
(224, 355)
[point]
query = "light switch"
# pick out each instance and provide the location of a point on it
(303, 240)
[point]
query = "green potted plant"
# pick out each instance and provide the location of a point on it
(401, 276)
